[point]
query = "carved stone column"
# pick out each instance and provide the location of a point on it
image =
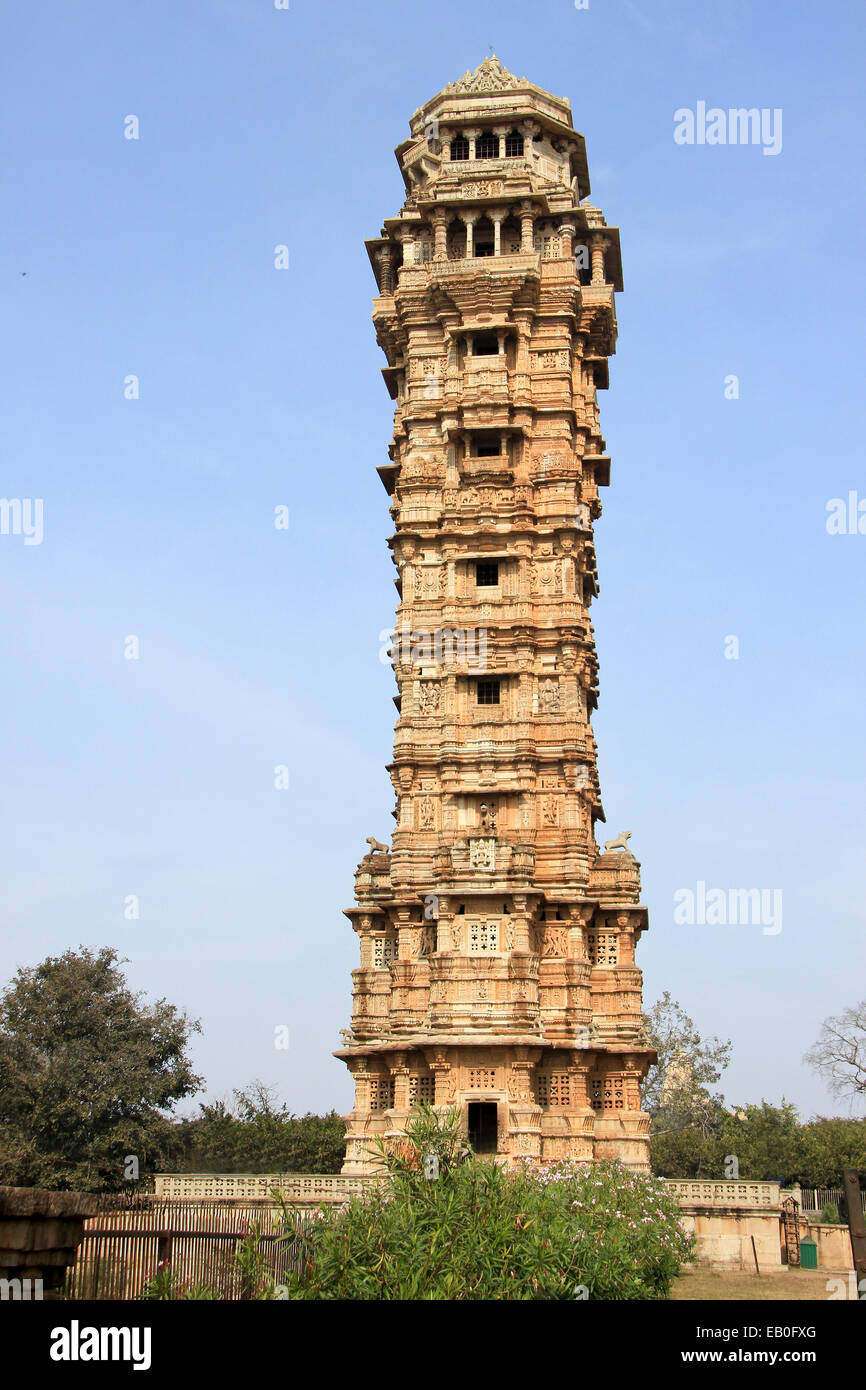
(567, 234)
(529, 129)
(385, 263)
(441, 218)
(406, 237)
(469, 219)
(497, 217)
(597, 260)
(527, 224)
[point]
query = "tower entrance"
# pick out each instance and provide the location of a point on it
(483, 1126)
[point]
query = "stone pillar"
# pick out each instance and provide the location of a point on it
(497, 217)
(385, 263)
(469, 219)
(40, 1232)
(597, 260)
(524, 330)
(400, 1078)
(441, 218)
(567, 234)
(529, 129)
(406, 236)
(527, 222)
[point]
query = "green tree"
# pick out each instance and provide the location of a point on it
(827, 1145)
(765, 1139)
(676, 1092)
(89, 1074)
(255, 1134)
(687, 1153)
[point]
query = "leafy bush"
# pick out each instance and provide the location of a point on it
(830, 1213)
(165, 1286)
(475, 1231)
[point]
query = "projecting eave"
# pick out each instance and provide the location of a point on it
(438, 1040)
(373, 245)
(391, 377)
(388, 473)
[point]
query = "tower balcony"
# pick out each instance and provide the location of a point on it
(484, 381)
(491, 468)
(520, 263)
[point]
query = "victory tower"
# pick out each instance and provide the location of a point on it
(497, 944)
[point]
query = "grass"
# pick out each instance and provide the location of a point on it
(794, 1285)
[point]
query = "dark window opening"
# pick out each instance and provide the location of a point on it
(487, 146)
(482, 1126)
(487, 446)
(485, 345)
(513, 145)
(488, 692)
(461, 908)
(460, 147)
(485, 238)
(487, 573)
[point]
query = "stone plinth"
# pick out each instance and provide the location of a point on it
(40, 1232)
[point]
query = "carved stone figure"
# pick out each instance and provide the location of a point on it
(429, 693)
(482, 853)
(548, 697)
(621, 842)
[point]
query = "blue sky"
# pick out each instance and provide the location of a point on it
(261, 387)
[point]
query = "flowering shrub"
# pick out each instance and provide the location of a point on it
(562, 1231)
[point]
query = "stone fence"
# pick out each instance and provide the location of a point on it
(734, 1222)
(327, 1189)
(297, 1189)
(710, 1193)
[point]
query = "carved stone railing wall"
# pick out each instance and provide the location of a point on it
(315, 1189)
(302, 1189)
(714, 1193)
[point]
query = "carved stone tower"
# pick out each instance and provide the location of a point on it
(497, 944)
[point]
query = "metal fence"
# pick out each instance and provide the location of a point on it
(125, 1246)
(814, 1198)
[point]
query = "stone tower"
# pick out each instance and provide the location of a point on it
(497, 944)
